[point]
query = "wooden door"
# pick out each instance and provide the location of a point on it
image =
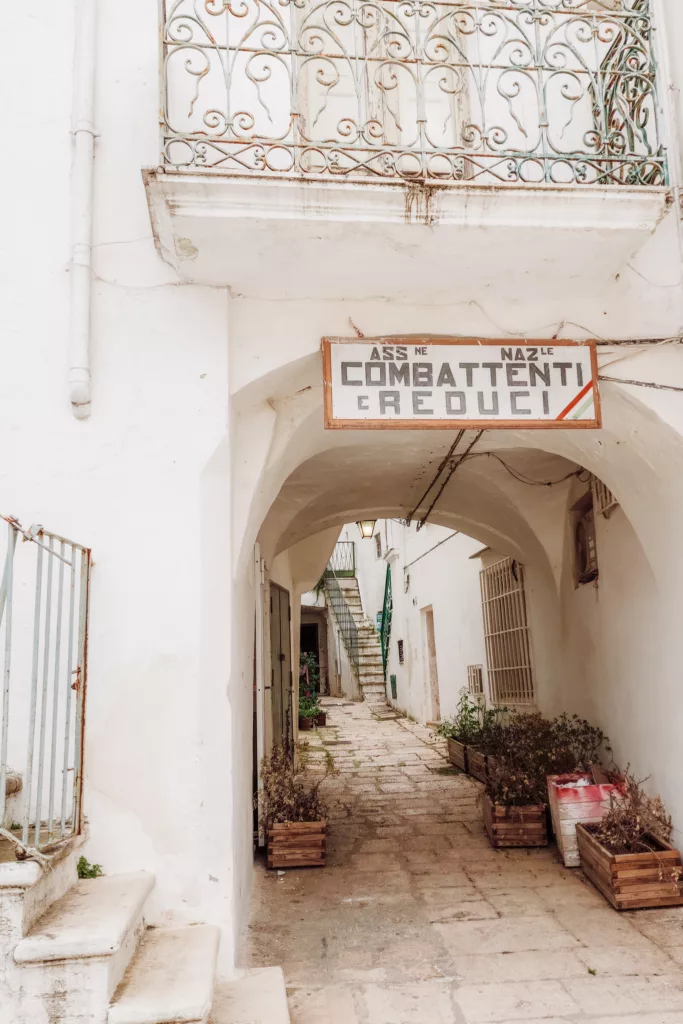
(281, 666)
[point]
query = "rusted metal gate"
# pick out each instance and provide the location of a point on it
(44, 604)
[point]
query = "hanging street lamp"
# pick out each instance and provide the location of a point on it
(367, 528)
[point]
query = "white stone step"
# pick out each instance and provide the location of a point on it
(92, 919)
(256, 997)
(171, 979)
(81, 948)
(28, 890)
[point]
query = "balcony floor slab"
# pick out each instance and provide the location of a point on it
(293, 238)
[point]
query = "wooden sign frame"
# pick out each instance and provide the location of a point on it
(450, 424)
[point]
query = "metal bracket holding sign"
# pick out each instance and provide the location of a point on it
(436, 383)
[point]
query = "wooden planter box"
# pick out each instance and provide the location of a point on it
(574, 804)
(306, 723)
(515, 826)
(321, 718)
(631, 881)
(476, 763)
(297, 844)
(457, 754)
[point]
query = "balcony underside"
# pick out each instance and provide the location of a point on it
(411, 242)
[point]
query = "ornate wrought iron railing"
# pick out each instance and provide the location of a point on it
(449, 91)
(344, 618)
(387, 613)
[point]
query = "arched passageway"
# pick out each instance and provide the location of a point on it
(605, 651)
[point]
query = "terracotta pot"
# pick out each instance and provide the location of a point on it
(321, 718)
(305, 724)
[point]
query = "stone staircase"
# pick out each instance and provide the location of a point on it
(79, 952)
(370, 671)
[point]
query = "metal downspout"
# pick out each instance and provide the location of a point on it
(83, 130)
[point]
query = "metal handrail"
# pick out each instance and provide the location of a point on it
(387, 612)
(344, 616)
(343, 560)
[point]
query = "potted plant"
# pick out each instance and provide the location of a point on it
(293, 815)
(461, 731)
(514, 811)
(579, 791)
(628, 855)
(515, 799)
(310, 711)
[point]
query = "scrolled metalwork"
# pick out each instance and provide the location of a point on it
(512, 91)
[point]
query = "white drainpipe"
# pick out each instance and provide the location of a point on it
(82, 205)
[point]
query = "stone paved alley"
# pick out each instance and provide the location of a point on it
(416, 920)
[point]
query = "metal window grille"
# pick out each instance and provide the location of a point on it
(585, 547)
(506, 633)
(378, 545)
(604, 501)
(475, 680)
(400, 652)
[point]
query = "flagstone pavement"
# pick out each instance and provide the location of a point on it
(417, 920)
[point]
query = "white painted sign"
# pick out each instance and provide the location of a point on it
(390, 382)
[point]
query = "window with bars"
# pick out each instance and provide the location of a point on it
(378, 545)
(506, 633)
(604, 501)
(400, 652)
(475, 680)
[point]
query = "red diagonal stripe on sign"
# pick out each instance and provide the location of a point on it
(575, 401)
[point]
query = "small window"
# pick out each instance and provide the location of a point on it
(604, 502)
(475, 680)
(378, 544)
(400, 652)
(585, 547)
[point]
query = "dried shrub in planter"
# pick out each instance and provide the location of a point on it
(285, 795)
(633, 820)
(578, 744)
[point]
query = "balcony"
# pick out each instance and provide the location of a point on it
(467, 113)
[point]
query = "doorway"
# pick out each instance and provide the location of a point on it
(434, 704)
(281, 666)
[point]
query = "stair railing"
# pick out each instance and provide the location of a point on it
(344, 616)
(385, 628)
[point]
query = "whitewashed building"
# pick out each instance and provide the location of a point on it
(193, 200)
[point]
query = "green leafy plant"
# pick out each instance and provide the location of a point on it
(465, 725)
(476, 725)
(309, 670)
(87, 870)
(285, 794)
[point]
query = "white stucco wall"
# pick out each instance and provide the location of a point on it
(207, 403)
